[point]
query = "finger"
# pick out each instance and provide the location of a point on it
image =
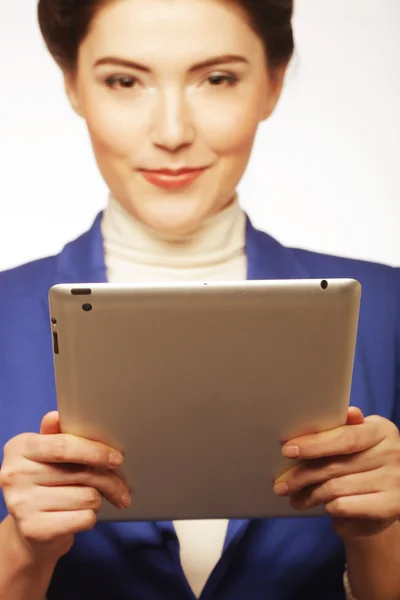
(349, 485)
(67, 498)
(109, 485)
(46, 527)
(80, 498)
(339, 441)
(50, 424)
(393, 430)
(316, 471)
(354, 416)
(66, 448)
(379, 506)
(70, 498)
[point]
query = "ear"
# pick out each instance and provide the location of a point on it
(276, 81)
(71, 89)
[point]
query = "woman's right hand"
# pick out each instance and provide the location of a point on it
(53, 484)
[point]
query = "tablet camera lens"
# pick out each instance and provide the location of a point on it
(324, 284)
(87, 307)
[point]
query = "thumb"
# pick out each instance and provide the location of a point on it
(50, 424)
(354, 416)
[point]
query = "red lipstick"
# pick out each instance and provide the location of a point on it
(172, 179)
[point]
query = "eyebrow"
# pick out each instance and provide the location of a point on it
(210, 62)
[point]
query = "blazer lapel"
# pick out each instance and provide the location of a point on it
(82, 261)
(268, 259)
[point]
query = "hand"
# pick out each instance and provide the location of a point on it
(354, 471)
(53, 485)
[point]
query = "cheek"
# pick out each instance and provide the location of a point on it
(113, 132)
(230, 130)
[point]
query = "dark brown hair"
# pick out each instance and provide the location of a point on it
(65, 23)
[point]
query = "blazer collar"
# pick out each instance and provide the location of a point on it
(82, 260)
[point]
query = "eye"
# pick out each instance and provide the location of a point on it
(121, 81)
(217, 79)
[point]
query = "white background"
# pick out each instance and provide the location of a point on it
(325, 169)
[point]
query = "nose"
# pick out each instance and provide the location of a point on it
(172, 126)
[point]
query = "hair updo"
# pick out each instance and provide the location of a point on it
(64, 25)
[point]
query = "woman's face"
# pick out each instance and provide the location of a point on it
(169, 84)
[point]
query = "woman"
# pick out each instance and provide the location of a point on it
(169, 86)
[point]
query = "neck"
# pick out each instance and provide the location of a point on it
(132, 250)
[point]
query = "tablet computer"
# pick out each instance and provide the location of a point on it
(199, 384)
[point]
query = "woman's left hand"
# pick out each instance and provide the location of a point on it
(354, 471)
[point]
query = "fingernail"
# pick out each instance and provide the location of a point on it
(281, 489)
(291, 451)
(115, 459)
(126, 501)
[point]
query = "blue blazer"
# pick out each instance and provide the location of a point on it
(274, 559)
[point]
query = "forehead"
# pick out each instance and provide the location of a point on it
(171, 30)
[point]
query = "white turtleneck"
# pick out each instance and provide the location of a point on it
(216, 251)
(133, 252)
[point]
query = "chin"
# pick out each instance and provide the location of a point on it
(173, 222)
(173, 228)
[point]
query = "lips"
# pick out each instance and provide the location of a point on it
(172, 172)
(169, 179)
